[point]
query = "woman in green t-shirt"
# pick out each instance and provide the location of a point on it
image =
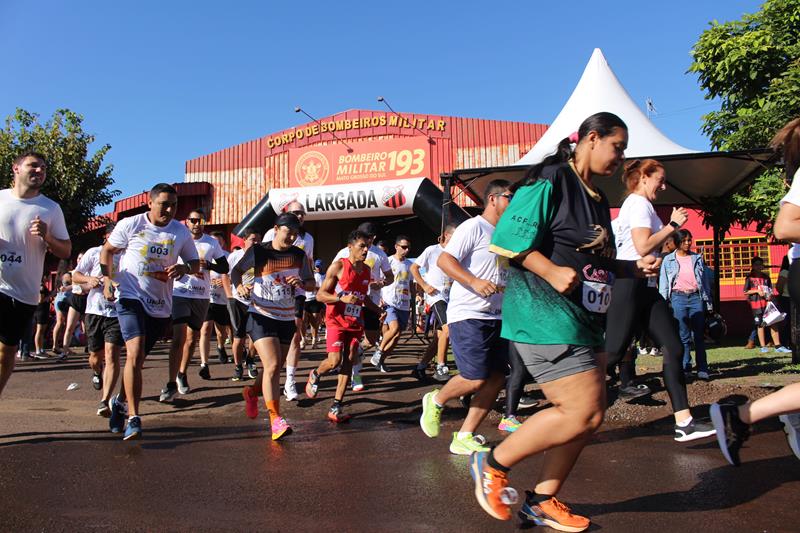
(557, 233)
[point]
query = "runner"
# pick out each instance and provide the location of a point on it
(638, 306)
(474, 318)
(238, 304)
(30, 225)
(313, 307)
(557, 231)
(305, 242)
(218, 319)
(76, 300)
(190, 302)
(151, 244)
(381, 276)
(278, 269)
(345, 291)
(397, 297)
(62, 309)
(103, 335)
(436, 286)
(42, 319)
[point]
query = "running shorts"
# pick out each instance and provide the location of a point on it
(101, 330)
(15, 319)
(189, 311)
(478, 348)
(260, 327)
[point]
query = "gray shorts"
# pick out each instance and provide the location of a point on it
(549, 362)
(189, 311)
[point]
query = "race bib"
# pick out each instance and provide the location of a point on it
(352, 310)
(596, 296)
(277, 290)
(10, 258)
(158, 251)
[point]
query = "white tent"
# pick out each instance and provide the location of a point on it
(600, 90)
(691, 175)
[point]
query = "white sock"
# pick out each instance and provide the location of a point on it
(290, 372)
(437, 404)
(685, 422)
(132, 417)
(464, 435)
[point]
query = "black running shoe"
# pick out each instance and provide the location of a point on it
(252, 369)
(222, 354)
(238, 373)
(183, 383)
(420, 374)
(731, 431)
(631, 392)
(694, 430)
(97, 381)
(204, 373)
(168, 392)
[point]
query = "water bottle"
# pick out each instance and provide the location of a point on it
(509, 496)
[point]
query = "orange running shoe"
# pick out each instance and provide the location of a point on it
(250, 402)
(552, 513)
(491, 487)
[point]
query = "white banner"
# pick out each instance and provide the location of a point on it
(354, 200)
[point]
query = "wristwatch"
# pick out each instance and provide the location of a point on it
(674, 224)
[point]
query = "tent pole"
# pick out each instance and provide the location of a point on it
(447, 199)
(717, 258)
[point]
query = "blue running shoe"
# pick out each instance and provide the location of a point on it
(116, 421)
(134, 429)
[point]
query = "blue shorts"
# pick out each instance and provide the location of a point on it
(478, 348)
(135, 322)
(394, 314)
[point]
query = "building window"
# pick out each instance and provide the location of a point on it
(735, 256)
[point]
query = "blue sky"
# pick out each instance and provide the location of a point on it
(163, 82)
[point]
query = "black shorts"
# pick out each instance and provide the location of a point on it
(101, 330)
(238, 313)
(15, 319)
(77, 301)
(372, 321)
(42, 314)
(439, 312)
(62, 306)
(313, 306)
(260, 326)
(299, 306)
(189, 311)
(218, 313)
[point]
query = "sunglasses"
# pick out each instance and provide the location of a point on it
(507, 195)
(195, 220)
(401, 246)
(298, 213)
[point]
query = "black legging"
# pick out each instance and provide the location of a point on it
(515, 382)
(635, 306)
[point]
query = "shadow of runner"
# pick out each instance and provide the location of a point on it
(724, 487)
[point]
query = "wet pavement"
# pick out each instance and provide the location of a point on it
(203, 466)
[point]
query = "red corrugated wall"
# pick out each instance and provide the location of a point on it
(241, 175)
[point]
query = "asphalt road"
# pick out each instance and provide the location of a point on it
(203, 466)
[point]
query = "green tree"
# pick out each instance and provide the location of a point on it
(752, 66)
(78, 181)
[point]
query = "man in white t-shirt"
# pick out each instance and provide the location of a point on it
(190, 300)
(381, 275)
(30, 224)
(474, 319)
(151, 244)
(103, 336)
(305, 242)
(436, 285)
(787, 224)
(238, 305)
(397, 298)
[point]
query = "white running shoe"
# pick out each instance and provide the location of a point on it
(290, 390)
(791, 426)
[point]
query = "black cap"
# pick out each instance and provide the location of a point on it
(289, 220)
(370, 228)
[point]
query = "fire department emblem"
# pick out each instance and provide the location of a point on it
(393, 197)
(311, 169)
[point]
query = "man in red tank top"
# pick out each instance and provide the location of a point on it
(345, 293)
